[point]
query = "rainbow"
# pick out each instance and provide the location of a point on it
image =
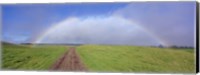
(44, 34)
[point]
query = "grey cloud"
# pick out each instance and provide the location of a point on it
(107, 30)
(172, 22)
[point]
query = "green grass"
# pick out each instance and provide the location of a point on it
(101, 58)
(30, 58)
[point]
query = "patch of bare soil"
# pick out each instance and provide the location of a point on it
(70, 61)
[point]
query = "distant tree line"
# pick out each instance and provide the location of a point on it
(26, 43)
(173, 46)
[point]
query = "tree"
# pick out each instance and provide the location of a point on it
(174, 46)
(160, 46)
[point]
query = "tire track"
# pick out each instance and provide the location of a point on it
(70, 61)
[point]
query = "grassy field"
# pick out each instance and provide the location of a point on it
(101, 58)
(30, 58)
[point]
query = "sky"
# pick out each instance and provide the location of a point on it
(131, 23)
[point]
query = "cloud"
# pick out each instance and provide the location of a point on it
(98, 30)
(173, 22)
(136, 24)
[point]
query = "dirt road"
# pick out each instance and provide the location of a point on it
(70, 61)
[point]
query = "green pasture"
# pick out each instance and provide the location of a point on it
(105, 58)
(26, 57)
(101, 58)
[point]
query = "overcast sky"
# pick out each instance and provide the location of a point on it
(139, 23)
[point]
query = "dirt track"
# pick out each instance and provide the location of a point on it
(70, 61)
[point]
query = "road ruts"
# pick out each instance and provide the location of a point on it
(70, 61)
